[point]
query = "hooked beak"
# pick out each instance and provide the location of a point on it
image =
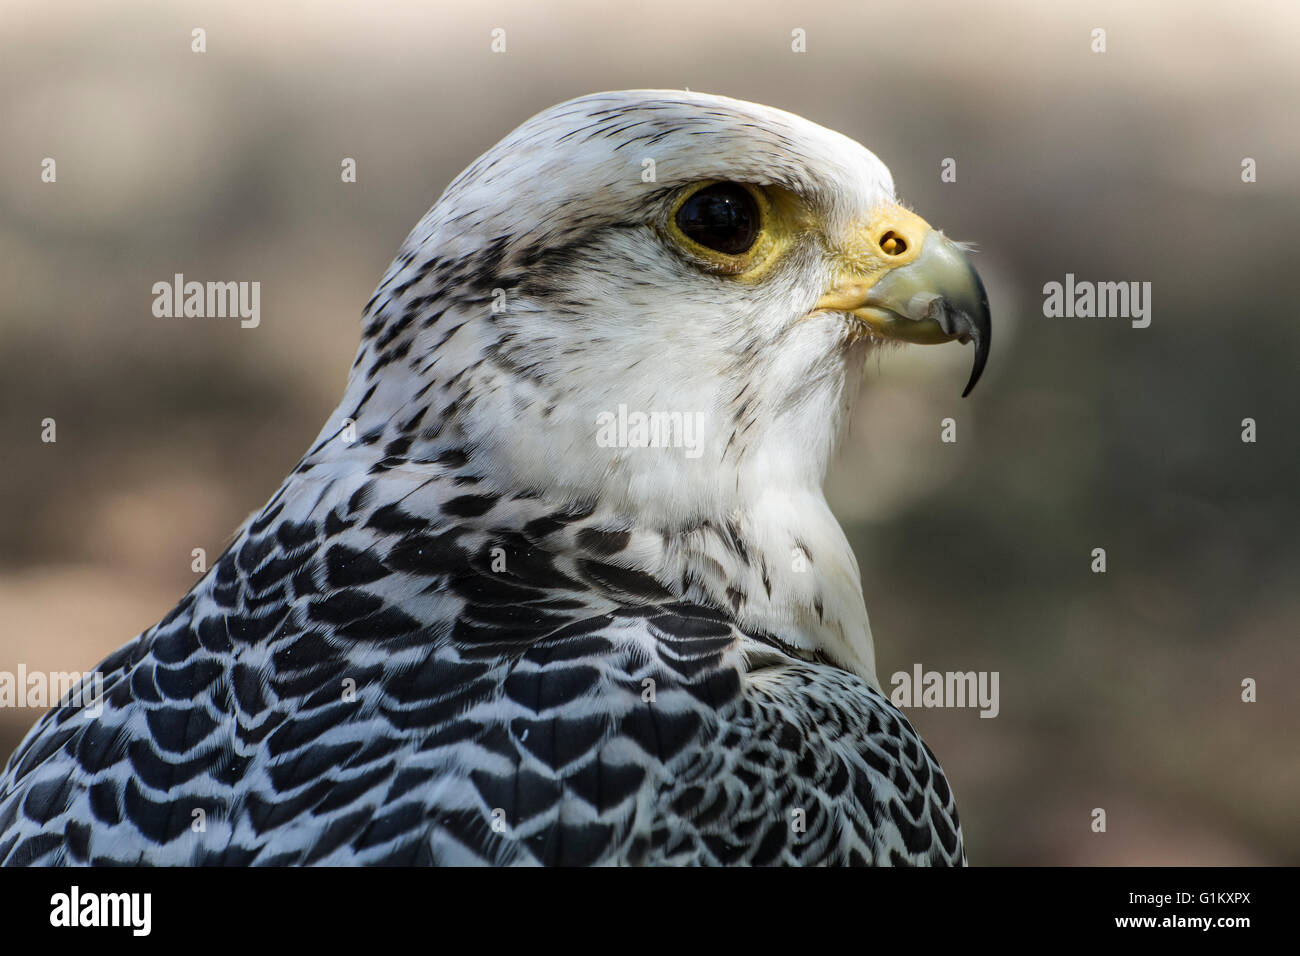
(904, 280)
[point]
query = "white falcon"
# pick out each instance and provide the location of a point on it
(479, 623)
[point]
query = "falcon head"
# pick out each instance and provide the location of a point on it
(659, 251)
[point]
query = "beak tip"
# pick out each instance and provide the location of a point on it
(981, 332)
(981, 359)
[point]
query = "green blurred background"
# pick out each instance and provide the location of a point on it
(1118, 690)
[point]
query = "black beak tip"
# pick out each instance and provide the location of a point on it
(981, 333)
(981, 357)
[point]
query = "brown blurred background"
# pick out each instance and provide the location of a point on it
(1118, 690)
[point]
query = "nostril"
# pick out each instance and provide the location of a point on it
(892, 244)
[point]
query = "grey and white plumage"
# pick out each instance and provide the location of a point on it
(473, 634)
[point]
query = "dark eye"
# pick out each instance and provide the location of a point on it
(723, 217)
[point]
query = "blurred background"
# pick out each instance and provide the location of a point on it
(1119, 690)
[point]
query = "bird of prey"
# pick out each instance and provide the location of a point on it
(557, 582)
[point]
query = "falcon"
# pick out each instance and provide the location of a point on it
(466, 629)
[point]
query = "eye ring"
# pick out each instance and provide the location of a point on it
(737, 204)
